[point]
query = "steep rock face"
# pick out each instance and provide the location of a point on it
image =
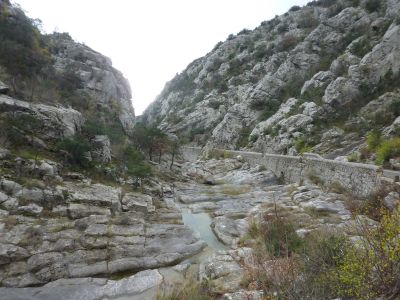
(103, 82)
(37, 123)
(55, 70)
(288, 82)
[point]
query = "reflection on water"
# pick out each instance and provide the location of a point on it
(201, 223)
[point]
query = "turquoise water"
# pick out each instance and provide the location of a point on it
(201, 223)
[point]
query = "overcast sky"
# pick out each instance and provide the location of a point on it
(152, 40)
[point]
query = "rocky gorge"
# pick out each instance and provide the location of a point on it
(140, 235)
(97, 203)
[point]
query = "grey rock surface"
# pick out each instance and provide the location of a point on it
(287, 81)
(133, 287)
(103, 82)
(55, 122)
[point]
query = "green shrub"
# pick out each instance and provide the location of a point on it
(302, 145)
(362, 47)
(374, 139)
(387, 150)
(135, 163)
(373, 5)
(93, 127)
(325, 265)
(320, 257)
(77, 147)
(304, 273)
(273, 132)
(314, 95)
(279, 236)
(21, 47)
(268, 109)
(371, 268)
(354, 157)
(244, 135)
(262, 50)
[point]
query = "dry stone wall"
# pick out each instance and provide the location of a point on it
(360, 179)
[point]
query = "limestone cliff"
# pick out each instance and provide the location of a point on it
(55, 70)
(311, 79)
(104, 83)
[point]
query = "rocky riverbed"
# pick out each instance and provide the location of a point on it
(99, 238)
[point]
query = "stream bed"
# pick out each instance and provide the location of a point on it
(201, 223)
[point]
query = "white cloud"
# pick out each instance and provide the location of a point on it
(151, 40)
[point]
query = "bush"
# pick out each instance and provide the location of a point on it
(21, 45)
(361, 48)
(304, 272)
(262, 50)
(135, 163)
(192, 290)
(371, 268)
(324, 265)
(244, 135)
(302, 145)
(278, 236)
(267, 110)
(308, 20)
(373, 5)
(77, 147)
(374, 139)
(295, 8)
(354, 157)
(387, 150)
(93, 127)
(288, 42)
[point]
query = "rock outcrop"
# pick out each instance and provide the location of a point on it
(281, 86)
(104, 83)
(78, 229)
(38, 123)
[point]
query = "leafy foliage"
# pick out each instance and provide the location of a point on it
(244, 135)
(374, 139)
(373, 5)
(135, 163)
(280, 237)
(387, 150)
(22, 51)
(302, 145)
(372, 268)
(77, 147)
(324, 265)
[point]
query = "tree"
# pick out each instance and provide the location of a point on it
(149, 139)
(77, 147)
(22, 50)
(174, 150)
(161, 145)
(135, 163)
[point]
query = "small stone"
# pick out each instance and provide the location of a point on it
(392, 200)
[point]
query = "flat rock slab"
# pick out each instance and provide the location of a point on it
(142, 285)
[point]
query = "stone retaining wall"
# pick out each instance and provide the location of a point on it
(361, 179)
